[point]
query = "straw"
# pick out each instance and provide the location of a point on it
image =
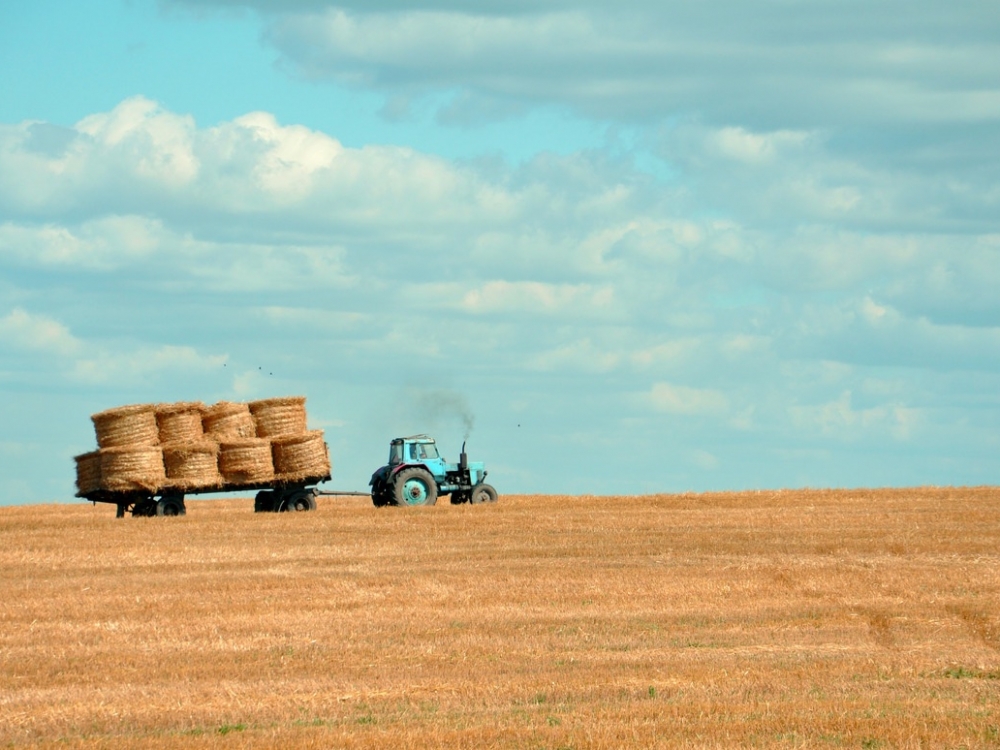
(131, 469)
(226, 420)
(297, 457)
(133, 425)
(279, 416)
(245, 461)
(180, 422)
(88, 473)
(192, 465)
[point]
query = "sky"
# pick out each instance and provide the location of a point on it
(654, 246)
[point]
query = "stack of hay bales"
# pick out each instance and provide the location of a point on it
(188, 447)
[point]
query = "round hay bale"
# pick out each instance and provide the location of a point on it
(130, 469)
(245, 461)
(192, 465)
(180, 422)
(133, 425)
(226, 420)
(88, 473)
(279, 416)
(300, 456)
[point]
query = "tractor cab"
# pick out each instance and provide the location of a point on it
(418, 450)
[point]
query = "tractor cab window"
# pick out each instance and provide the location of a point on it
(395, 454)
(423, 451)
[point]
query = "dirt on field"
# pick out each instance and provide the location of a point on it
(865, 619)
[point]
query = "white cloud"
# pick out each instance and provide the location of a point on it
(734, 62)
(755, 148)
(104, 366)
(157, 143)
(535, 297)
(680, 399)
(104, 243)
(33, 332)
(578, 356)
(842, 419)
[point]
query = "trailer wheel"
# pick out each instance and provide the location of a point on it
(144, 507)
(299, 500)
(171, 505)
(415, 487)
(483, 493)
(264, 502)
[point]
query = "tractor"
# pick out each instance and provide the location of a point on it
(417, 475)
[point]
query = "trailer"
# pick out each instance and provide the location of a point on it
(272, 497)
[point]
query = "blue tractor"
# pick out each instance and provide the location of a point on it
(417, 475)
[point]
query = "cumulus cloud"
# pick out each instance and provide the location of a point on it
(738, 62)
(679, 399)
(34, 332)
(840, 418)
(204, 252)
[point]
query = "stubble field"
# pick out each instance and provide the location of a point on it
(859, 619)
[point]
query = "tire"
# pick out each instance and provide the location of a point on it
(381, 495)
(171, 505)
(264, 502)
(144, 507)
(414, 487)
(299, 500)
(483, 493)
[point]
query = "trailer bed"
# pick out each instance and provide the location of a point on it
(275, 495)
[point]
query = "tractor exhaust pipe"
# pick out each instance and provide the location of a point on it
(463, 460)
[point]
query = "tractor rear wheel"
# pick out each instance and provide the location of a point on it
(414, 487)
(483, 493)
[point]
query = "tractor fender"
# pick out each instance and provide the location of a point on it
(400, 468)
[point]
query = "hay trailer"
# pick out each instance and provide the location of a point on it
(272, 497)
(150, 455)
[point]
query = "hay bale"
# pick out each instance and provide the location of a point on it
(192, 465)
(128, 469)
(279, 416)
(180, 422)
(226, 420)
(88, 473)
(299, 456)
(133, 425)
(245, 461)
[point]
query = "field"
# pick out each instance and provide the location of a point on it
(863, 619)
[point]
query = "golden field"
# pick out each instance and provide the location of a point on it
(864, 619)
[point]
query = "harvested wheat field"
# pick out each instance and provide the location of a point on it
(865, 619)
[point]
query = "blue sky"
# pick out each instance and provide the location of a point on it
(673, 246)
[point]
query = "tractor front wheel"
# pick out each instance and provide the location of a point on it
(414, 487)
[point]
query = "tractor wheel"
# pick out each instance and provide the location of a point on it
(415, 487)
(483, 493)
(298, 500)
(171, 505)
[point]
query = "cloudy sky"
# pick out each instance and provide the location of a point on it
(635, 247)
